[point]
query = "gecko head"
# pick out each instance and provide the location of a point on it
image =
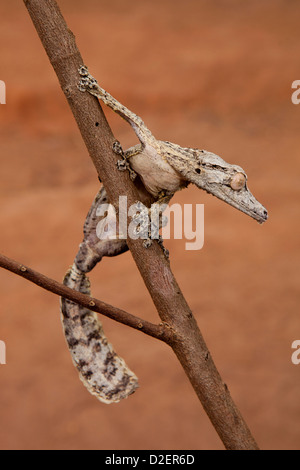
(227, 182)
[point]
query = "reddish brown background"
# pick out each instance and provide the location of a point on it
(215, 75)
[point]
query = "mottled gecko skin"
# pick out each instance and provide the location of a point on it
(101, 370)
(165, 167)
(93, 248)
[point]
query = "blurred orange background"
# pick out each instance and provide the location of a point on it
(214, 75)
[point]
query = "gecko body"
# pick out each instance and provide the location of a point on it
(164, 168)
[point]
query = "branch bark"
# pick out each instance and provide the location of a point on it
(187, 341)
(156, 331)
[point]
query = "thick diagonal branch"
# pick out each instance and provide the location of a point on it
(188, 344)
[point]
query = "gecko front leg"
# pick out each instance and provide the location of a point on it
(124, 164)
(89, 83)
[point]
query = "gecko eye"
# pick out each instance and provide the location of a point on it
(238, 181)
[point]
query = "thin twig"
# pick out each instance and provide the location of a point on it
(188, 344)
(156, 331)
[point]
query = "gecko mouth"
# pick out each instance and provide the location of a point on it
(242, 200)
(260, 214)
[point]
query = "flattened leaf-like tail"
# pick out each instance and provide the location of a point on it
(102, 371)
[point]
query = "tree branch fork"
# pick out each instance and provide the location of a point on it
(161, 331)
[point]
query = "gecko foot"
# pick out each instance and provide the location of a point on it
(165, 251)
(148, 222)
(117, 148)
(83, 71)
(87, 82)
(123, 164)
(147, 243)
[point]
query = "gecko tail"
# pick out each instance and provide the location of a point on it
(102, 371)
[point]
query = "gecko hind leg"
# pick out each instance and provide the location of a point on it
(150, 221)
